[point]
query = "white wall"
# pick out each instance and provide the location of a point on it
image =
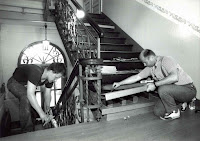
(153, 31)
(1, 70)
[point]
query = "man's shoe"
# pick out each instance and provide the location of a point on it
(173, 115)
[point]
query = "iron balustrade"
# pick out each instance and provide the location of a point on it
(82, 42)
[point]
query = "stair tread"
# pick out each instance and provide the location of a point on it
(114, 44)
(117, 61)
(109, 30)
(101, 25)
(96, 14)
(122, 72)
(114, 37)
(117, 107)
(126, 52)
(127, 114)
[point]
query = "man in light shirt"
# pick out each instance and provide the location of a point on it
(172, 83)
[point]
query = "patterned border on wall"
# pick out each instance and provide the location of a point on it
(172, 16)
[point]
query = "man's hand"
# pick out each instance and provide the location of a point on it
(150, 87)
(45, 118)
(116, 85)
(48, 110)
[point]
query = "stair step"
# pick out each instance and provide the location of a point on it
(102, 25)
(109, 47)
(107, 32)
(111, 78)
(127, 114)
(99, 16)
(102, 22)
(115, 47)
(122, 72)
(112, 40)
(109, 55)
(111, 34)
(99, 21)
(125, 65)
(91, 28)
(115, 40)
(117, 60)
(130, 106)
(118, 110)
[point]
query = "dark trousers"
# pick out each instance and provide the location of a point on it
(172, 94)
(20, 91)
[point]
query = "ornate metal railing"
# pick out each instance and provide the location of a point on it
(82, 44)
(79, 40)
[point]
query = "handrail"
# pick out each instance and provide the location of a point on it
(82, 24)
(74, 73)
(89, 19)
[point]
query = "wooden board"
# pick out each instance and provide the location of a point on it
(111, 110)
(130, 113)
(126, 92)
(109, 87)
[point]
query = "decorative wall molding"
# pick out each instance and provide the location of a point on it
(195, 29)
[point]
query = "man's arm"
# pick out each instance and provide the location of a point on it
(170, 79)
(172, 68)
(33, 101)
(134, 78)
(47, 99)
(129, 80)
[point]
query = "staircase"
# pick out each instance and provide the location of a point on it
(97, 36)
(120, 58)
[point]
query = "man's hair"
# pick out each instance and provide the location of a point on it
(58, 68)
(147, 52)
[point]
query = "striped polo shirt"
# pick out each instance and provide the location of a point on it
(162, 69)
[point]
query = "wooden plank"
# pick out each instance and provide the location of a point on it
(130, 113)
(109, 87)
(111, 110)
(122, 93)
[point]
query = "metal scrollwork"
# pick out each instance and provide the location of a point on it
(73, 30)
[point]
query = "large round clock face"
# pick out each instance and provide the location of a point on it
(41, 54)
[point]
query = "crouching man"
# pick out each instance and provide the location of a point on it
(171, 81)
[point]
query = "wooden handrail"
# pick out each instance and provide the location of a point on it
(89, 19)
(65, 91)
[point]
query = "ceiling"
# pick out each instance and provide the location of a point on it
(24, 11)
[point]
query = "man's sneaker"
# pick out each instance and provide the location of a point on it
(184, 107)
(173, 115)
